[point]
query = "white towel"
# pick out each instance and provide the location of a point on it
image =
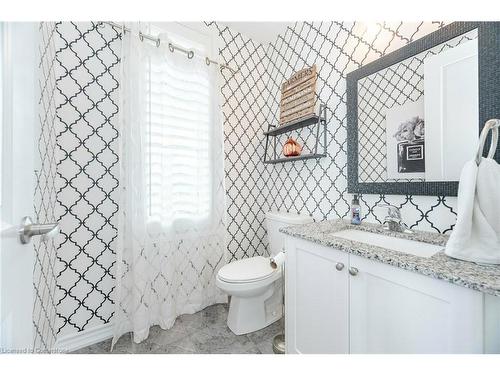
(476, 236)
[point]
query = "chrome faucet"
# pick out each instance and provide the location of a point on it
(393, 221)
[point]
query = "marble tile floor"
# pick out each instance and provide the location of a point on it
(205, 332)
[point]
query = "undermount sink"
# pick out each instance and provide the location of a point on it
(402, 245)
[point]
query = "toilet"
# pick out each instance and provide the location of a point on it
(254, 286)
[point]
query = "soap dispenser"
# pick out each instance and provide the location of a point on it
(355, 211)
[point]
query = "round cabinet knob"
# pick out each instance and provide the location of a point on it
(353, 271)
(339, 266)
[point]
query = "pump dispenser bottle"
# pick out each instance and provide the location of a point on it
(355, 211)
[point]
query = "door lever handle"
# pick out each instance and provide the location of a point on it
(28, 229)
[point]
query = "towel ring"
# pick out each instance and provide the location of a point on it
(493, 125)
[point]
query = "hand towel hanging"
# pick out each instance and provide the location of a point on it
(476, 236)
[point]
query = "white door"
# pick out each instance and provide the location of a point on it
(18, 119)
(451, 95)
(397, 311)
(316, 303)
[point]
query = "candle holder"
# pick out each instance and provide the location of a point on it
(291, 148)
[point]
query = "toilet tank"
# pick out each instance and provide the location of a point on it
(277, 220)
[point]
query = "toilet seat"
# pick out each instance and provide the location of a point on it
(254, 286)
(248, 270)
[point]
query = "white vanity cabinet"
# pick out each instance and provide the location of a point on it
(397, 311)
(370, 307)
(317, 303)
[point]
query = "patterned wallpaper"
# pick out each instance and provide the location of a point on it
(244, 109)
(319, 187)
(87, 64)
(314, 187)
(86, 68)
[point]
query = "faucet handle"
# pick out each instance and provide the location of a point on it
(393, 211)
(394, 221)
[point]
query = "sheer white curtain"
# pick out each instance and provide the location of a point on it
(171, 206)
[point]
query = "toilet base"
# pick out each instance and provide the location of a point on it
(251, 314)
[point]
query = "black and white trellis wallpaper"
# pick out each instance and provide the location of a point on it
(244, 108)
(318, 187)
(44, 272)
(314, 187)
(87, 58)
(86, 71)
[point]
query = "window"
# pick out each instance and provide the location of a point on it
(179, 111)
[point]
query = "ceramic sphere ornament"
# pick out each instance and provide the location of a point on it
(291, 148)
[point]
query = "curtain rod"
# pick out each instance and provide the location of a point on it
(171, 47)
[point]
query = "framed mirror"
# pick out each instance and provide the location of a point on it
(414, 115)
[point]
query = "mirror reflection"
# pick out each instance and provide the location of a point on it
(418, 119)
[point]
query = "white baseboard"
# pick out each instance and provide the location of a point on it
(93, 335)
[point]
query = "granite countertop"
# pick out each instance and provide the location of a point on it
(484, 278)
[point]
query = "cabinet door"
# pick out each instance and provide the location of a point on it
(317, 306)
(398, 311)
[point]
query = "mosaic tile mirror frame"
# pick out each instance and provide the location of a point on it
(397, 79)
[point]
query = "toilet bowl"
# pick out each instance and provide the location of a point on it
(254, 286)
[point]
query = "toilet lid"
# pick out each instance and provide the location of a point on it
(246, 270)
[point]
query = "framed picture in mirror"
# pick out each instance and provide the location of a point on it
(414, 115)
